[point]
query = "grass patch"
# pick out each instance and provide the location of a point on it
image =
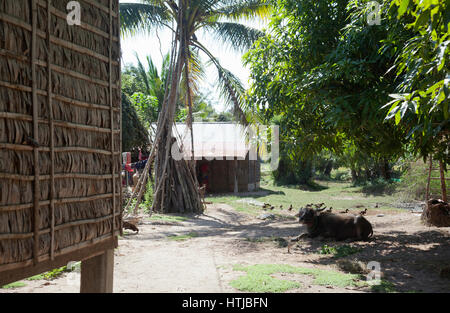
(17, 284)
(258, 278)
(249, 210)
(167, 218)
(183, 237)
(339, 195)
(57, 272)
(384, 287)
(339, 251)
(36, 277)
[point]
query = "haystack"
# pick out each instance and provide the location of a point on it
(60, 189)
(437, 213)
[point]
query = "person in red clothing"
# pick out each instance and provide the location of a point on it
(204, 173)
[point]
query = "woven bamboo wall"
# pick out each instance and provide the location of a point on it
(60, 137)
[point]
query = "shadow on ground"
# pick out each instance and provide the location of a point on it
(412, 262)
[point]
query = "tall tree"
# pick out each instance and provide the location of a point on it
(175, 185)
(134, 132)
(329, 71)
(421, 101)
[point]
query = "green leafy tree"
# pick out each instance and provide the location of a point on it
(301, 35)
(421, 101)
(330, 73)
(146, 106)
(134, 133)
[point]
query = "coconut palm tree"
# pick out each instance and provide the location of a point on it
(186, 18)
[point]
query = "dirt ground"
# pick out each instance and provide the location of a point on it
(411, 255)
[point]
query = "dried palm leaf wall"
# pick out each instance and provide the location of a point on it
(60, 141)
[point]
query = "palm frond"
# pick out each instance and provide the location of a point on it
(142, 74)
(235, 35)
(196, 70)
(243, 9)
(142, 17)
(232, 91)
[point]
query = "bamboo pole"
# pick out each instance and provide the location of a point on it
(36, 195)
(120, 135)
(427, 196)
(443, 187)
(52, 135)
(110, 96)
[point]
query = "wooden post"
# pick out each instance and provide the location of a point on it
(36, 195)
(235, 175)
(427, 196)
(97, 273)
(443, 187)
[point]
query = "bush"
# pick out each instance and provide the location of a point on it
(291, 172)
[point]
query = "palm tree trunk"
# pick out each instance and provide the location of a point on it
(173, 177)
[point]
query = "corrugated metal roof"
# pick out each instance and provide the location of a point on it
(214, 140)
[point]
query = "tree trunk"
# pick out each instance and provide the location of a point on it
(328, 169)
(385, 169)
(173, 176)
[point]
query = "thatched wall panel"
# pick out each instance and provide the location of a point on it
(19, 9)
(78, 164)
(16, 192)
(16, 162)
(83, 37)
(80, 63)
(14, 39)
(78, 89)
(90, 15)
(14, 72)
(16, 250)
(14, 101)
(79, 115)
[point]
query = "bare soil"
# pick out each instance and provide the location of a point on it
(411, 254)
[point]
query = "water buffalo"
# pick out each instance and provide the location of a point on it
(335, 226)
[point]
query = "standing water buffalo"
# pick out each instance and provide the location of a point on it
(331, 225)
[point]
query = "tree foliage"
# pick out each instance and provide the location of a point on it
(134, 133)
(422, 97)
(330, 75)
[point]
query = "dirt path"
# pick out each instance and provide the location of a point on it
(410, 254)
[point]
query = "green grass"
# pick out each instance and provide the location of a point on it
(183, 237)
(339, 251)
(50, 275)
(16, 284)
(36, 277)
(258, 278)
(339, 195)
(167, 218)
(384, 287)
(57, 272)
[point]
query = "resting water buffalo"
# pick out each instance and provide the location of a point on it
(331, 225)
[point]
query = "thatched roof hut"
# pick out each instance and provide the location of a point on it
(60, 142)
